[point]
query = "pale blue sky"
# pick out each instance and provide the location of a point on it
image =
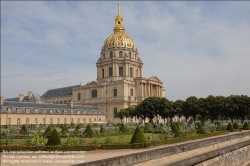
(195, 48)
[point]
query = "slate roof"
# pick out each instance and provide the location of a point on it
(34, 98)
(65, 91)
(49, 108)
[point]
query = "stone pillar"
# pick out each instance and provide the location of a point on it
(29, 94)
(21, 97)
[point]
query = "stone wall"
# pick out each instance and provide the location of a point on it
(190, 153)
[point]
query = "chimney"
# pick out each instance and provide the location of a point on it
(71, 104)
(29, 94)
(2, 100)
(21, 97)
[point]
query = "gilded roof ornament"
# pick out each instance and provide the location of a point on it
(119, 38)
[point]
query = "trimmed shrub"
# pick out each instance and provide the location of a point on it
(175, 130)
(236, 126)
(54, 139)
(123, 128)
(246, 126)
(138, 136)
(23, 130)
(47, 132)
(200, 129)
(230, 127)
(88, 132)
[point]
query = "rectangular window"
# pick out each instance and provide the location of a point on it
(35, 121)
(102, 73)
(18, 110)
(61, 102)
(94, 93)
(131, 92)
(111, 72)
(65, 120)
(51, 120)
(27, 110)
(115, 92)
(58, 120)
(27, 121)
(131, 71)
(78, 120)
(120, 71)
(44, 121)
(18, 121)
(100, 119)
(79, 96)
(84, 120)
(65, 101)
(115, 112)
(89, 120)
(137, 74)
(9, 121)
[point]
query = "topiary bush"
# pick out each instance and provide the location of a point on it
(175, 130)
(138, 137)
(54, 139)
(246, 126)
(47, 132)
(123, 128)
(23, 130)
(88, 132)
(230, 127)
(236, 126)
(200, 129)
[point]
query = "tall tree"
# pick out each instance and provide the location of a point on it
(178, 108)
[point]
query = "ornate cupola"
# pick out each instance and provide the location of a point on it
(119, 56)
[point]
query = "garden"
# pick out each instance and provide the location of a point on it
(84, 137)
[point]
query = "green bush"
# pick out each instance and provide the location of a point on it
(230, 127)
(54, 139)
(236, 126)
(138, 136)
(175, 130)
(102, 129)
(47, 132)
(64, 129)
(23, 130)
(246, 126)
(200, 129)
(123, 128)
(88, 132)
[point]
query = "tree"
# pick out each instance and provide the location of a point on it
(138, 136)
(88, 132)
(178, 108)
(191, 107)
(24, 130)
(54, 139)
(47, 132)
(166, 108)
(120, 114)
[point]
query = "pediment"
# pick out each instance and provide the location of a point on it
(155, 79)
(92, 83)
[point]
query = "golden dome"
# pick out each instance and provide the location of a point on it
(119, 38)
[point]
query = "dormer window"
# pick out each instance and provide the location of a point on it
(71, 111)
(65, 111)
(18, 110)
(44, 111)
(27, 110)
(58, 111)
(78, 112)
(51, 111)
(36, 110)
(9, 109)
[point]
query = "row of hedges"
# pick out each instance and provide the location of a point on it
(109, 146)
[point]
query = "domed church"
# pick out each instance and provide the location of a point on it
(119, 82)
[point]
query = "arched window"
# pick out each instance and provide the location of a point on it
(129, 54)
(94, 93)
(111, 54)
(120, 54)
(104, 56)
